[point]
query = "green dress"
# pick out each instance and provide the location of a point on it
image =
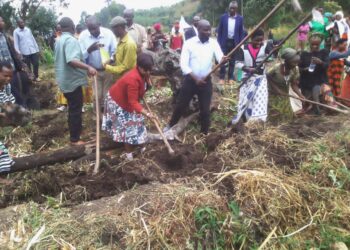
(279, 106)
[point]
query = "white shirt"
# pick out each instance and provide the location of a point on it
(197, 57)
(138, 34)
(24, 41)
(106, 37)
(231, 27)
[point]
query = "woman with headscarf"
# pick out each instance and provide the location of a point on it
(342, 28)
(124, 117)
(253, 95)
(318, 24)
(158, 38)
(313, 71)
(283, 79)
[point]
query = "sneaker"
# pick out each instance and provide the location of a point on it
(142, 150)
(61, 108)
(83, 110)
(37, 79)
(127, 157)
(166, 128)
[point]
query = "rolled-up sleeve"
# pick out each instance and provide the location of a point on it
(185, 60)
(218, 52)
(72, 50)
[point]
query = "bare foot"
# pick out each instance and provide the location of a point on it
(4, 181)
(77, 143)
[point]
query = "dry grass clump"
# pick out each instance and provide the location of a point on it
(156, 216)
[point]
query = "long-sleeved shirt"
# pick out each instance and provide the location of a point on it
(129, 90)
(139, 34)
(125, 57)
(25, 43)
(106, 38)
(197, 57)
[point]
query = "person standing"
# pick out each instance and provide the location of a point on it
(313, 70)
(159, 39)
(125, 57)
(136, 31)
(92, 40)
(230, 34)
(302, 36)
(71, 75)
(27, 47)
(196, 63)
(193, 31)
(176, 39)
(124, 119)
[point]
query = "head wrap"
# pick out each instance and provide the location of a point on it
(328, 14)
(118, 20)
(289, 54)
(157, 26)
(339, 13)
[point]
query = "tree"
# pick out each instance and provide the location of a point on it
(28, 8)
(7, 12)
(105, 15)
(43, 21)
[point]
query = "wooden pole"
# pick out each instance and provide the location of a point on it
(316, 103)
(98, 128)
(272, 12)
(155, 121)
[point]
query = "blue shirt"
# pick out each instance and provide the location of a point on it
(5, 54)
(67, 50)
(106, 37)
(25, 43)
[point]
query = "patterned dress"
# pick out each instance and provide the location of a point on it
(335, 74)
(5, 160)
(123, 126)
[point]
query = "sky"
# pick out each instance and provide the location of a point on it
(91, 6)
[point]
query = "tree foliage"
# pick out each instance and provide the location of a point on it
(43, 21)
(7, 12)
(106, 14)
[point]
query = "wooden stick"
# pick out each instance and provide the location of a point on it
(342, 105)
(279, 46)
(316, 103)
(342, 99)
(272, 12)
(155, 121)
(98, 128)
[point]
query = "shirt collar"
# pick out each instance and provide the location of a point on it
(199, 41)
(101, 35)
(125, 38)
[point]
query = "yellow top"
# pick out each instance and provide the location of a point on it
(125, 57)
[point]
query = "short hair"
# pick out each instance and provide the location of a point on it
(66, 23)
(258, 32)
(5, 65)
(233, 3)
(145, 61)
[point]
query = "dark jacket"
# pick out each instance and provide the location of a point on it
(223, 30)
(17, 62)
(189, 33)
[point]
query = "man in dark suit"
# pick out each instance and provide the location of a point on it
(230, 34)
(192, 32)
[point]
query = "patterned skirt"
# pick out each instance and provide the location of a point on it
(5, 160)
(123, 126)
(335, 74)
(253, 100)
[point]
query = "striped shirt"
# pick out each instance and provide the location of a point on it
(5, 160)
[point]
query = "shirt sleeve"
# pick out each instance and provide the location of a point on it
(83, 48)
(133, 97)
(72, 50)
(185, 60)
(129, 60)
(217, 51)
(113, 45)
(16, 41)
(240, 59)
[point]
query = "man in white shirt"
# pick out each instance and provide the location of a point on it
(136, 31)
(196, 63)
(27, 47)
(191, 32)
(92, 40)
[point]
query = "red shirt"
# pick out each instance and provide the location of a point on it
(176, 41)
(128, 91)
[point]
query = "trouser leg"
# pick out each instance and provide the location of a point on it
(34, 58)
(316, 91)
(185, 95)
(27, 61)
(204, 96)
(75, 104)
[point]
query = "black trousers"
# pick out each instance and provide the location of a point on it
(230, 45)
(33, 59)
(75, 105)
(187, 91)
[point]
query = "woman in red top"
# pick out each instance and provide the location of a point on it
(124, 115)
(176, 39)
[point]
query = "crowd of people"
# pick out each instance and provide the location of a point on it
(117, 58)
